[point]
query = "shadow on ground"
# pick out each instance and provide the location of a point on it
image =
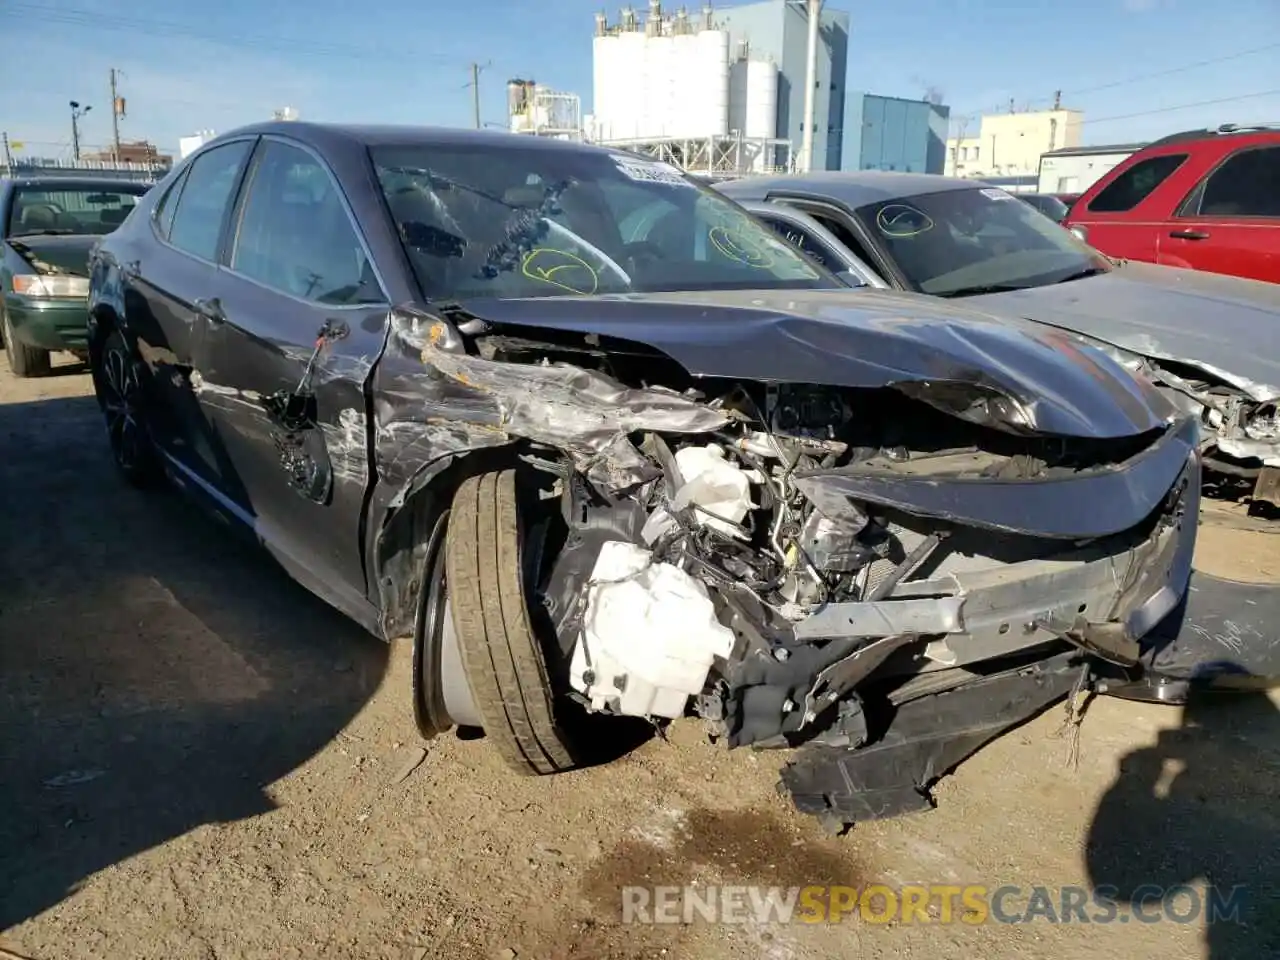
(156, 673)
(1198, 808)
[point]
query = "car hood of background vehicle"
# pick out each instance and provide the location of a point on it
(56, 253)
(1224, 325)
(864, 339)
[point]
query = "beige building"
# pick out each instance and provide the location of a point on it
(1010, 144)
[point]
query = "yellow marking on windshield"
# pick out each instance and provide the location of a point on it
(734, 246)
(902, 221)
(562, 269)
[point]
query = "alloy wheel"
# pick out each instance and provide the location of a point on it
(120, 396)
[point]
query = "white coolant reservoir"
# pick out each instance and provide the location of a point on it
(649, 636)
(719, 486)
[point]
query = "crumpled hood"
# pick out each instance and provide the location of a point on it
(1225, 325)
(865, 339)
(62, 253)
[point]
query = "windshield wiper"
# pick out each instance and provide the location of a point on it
(979, 290)
(1081, 274)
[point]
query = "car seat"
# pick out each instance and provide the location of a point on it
(39, 216)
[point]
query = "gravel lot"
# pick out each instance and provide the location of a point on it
(200, 760)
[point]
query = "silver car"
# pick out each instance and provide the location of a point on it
(1212, 342)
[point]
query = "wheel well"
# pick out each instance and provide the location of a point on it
(402, 542)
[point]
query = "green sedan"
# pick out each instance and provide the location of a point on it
(48, 225)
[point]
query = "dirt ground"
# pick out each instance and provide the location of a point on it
(200, 760)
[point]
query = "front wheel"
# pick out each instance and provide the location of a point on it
(24, 361)
(117, 382)
(502, 657)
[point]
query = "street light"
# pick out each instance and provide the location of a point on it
(77, 112)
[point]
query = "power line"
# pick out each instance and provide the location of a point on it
(1186, 106)
(70, 16)
(1173, 70)
(1138, 78)
(1159, 110)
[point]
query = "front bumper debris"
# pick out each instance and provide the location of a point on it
(1038, 629)
(1107, 602)
(928, 737)
(1223, 633)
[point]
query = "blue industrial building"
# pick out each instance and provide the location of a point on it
(779, 30)
(892, 133)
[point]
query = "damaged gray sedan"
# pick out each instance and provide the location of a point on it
(596, 442)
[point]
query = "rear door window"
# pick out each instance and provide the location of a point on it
(1246, 185)
(169, 205)
(1134, 185)
(202, 205)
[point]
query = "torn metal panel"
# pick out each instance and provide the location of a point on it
(337, 366)
(347, 442)
(1021, 377)
(408, 444)
(580, 411)
(837, 680)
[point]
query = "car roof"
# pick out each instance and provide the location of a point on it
(346, 136)
(854, 188)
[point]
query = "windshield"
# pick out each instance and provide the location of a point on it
(983, 240)
(1051, 207)
(71, 210)
(542, 221)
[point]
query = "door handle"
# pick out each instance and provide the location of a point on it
(210, 308)
(1189, 234)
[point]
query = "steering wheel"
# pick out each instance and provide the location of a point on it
(643, 250)
(604, 258)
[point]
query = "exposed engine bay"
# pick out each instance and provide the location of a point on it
(809, 566)
(707, 586)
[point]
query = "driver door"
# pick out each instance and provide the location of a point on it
(298, 323)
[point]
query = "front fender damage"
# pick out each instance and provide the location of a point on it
(796, 563)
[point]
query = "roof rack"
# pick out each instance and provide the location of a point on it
(1225, 129)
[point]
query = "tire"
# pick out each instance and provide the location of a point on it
(117, 382)
(504, 662)
(24, 361)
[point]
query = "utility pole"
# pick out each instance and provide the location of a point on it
(76, 113)
(475, 91)
(8, 154)
(1057, 99)
(115, 119)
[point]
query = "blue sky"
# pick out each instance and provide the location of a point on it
(218, 65)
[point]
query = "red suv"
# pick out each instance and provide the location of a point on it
(1205, 200)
